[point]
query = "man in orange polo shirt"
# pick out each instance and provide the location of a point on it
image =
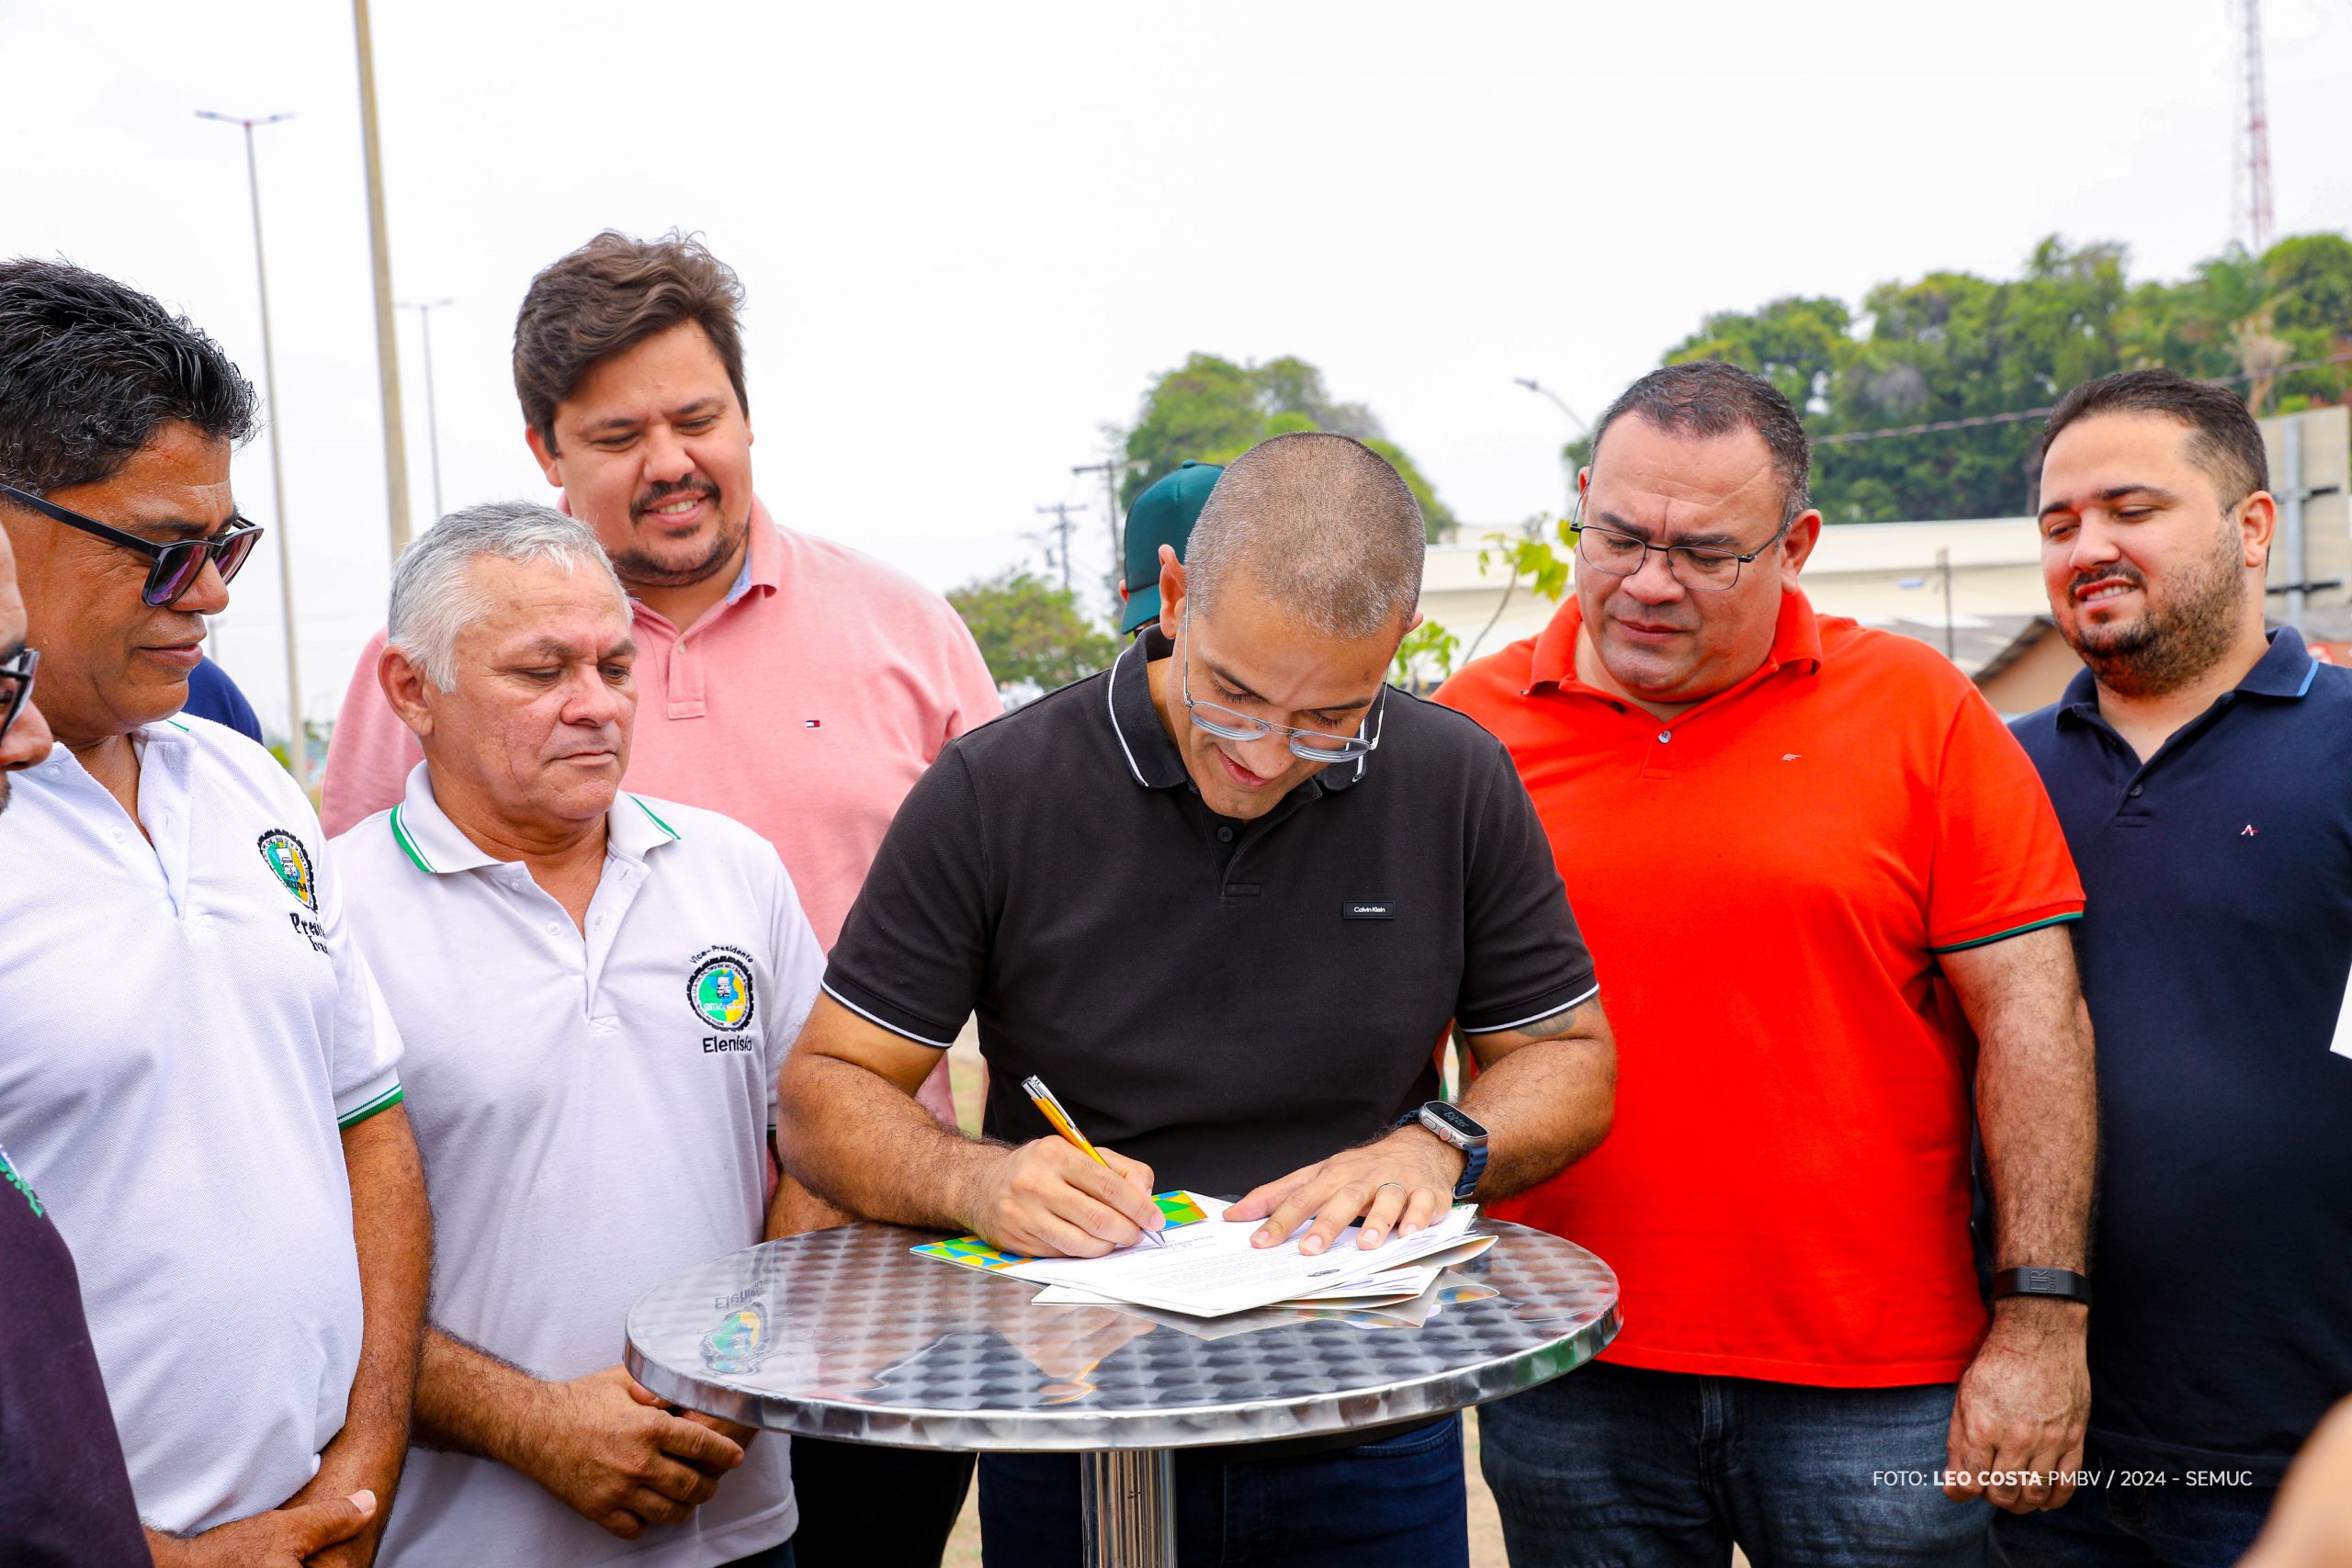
(1811, 858)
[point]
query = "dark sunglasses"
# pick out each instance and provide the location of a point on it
(175, 566)
(16, 686)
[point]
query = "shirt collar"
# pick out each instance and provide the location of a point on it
(434, 843)
(1796, 643)
(764, 562)
(1134, 719)
(2285, 670)
(1151, 756)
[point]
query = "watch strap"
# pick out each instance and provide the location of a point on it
(2063, 1283)
(1471, 1172)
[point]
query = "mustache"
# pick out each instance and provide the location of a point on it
(2118, 572)
(662, 494)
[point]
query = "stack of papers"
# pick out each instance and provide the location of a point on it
(1208, 1268)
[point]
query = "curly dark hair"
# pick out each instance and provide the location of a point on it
(91, 368)
(611, 295)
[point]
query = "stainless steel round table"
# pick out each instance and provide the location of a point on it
(845, 1334)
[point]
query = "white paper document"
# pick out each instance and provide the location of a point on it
(1208, 1268)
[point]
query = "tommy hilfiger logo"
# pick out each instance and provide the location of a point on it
(1368, 909)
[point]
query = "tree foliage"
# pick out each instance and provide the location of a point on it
(1213, 410)
(1951, 345)
(1030, 632)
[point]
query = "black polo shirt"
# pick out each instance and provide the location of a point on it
(1224, 1001)
(2214, 948)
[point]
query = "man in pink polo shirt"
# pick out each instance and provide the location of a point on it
(788, 682)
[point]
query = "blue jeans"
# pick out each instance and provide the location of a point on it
(2172, 1525)
(1615, 1467)
(1397, 1503)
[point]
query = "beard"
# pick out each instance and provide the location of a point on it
(642, 567)
(2175, 640)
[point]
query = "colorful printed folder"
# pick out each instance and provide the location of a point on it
(1175, 1208)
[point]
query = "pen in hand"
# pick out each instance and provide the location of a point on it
(1051, 1109)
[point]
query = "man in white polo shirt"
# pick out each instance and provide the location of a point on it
(196, 1073)
(596, 991)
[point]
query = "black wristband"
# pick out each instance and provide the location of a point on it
(2063, 1283)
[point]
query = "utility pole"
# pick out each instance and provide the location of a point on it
(1061, 511)
(1943, 564)
(1111, 469)
(424, 309)
(2252, 165)
(298, 744)
(380, 250)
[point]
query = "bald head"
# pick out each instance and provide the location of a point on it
(1322, 526)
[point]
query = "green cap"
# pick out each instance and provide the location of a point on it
(1163, 515)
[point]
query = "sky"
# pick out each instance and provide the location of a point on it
(972, 235)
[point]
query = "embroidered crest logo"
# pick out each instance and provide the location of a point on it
(290, 864)
(720, 991)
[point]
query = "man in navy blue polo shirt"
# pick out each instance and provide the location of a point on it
(2202, 769)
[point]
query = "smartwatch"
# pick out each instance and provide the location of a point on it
(2063, 1283)
(1456, 1127)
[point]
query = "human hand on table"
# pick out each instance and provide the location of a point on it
(1048, 1199)
(1403, 1182)
(733, 1431)
(605, 1445)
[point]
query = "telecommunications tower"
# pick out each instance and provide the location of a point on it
(2250, 169)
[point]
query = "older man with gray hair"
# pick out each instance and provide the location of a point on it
(1222, 898)
(598, 989)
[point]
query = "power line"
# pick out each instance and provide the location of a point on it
(1974, 420)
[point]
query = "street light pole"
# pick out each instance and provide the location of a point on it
(298, 753)
(379, 256)
(424, 309)
(1533, 385)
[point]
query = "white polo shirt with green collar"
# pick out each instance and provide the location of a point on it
(184, 1022)
(593, 1110)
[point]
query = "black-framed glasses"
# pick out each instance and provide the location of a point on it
(173, 569)
(1701, 567)
(1307, 745)
(16, 686)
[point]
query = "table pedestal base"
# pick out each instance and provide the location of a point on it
(1130, 1504)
